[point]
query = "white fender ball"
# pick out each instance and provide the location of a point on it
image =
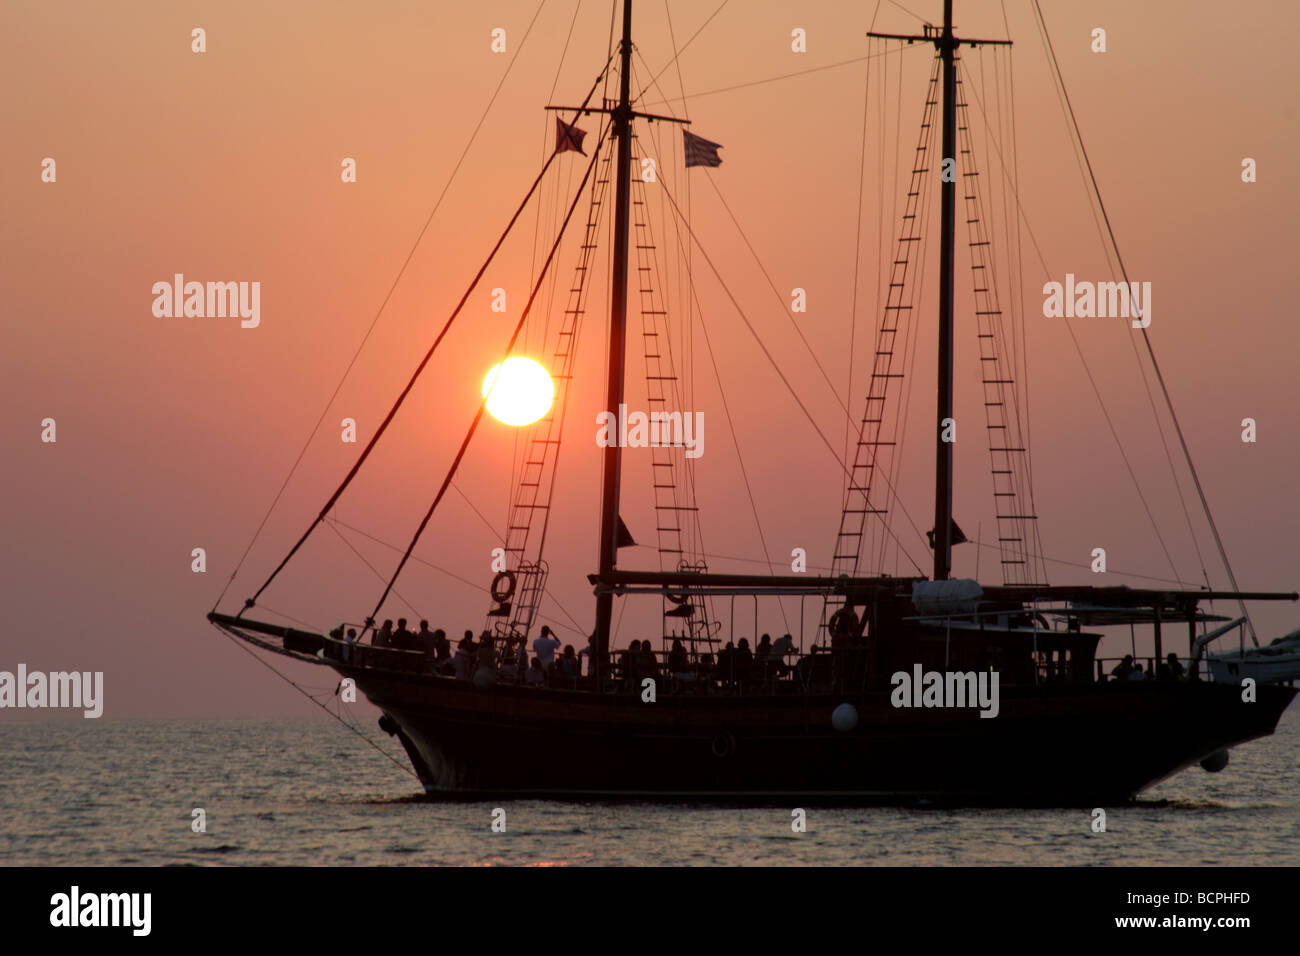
(844, 717)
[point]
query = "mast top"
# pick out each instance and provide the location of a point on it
(938, 37)
(612, 107)
(941, 36)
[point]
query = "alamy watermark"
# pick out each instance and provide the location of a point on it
(75, 908)
(923, 688)
(655, 430)
(214, 300)
(58, 689)
(1102, 300)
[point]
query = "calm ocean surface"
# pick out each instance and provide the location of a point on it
(307, 792)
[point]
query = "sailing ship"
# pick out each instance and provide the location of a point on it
(869, 710)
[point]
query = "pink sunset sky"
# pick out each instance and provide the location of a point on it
(176, 433)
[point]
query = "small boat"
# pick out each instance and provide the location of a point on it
(1277, 662)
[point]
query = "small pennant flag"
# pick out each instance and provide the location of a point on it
(956, 535)
(699, 151)
(568, 137)
(625, 539)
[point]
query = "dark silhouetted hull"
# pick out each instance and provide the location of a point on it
(1069, 745)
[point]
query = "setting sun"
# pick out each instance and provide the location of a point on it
(523, 394)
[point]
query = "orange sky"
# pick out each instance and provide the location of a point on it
(176, 433)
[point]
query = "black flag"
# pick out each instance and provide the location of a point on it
(955, 536)
(624, 536)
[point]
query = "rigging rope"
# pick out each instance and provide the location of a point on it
(786, 382)
(382, 305)
(772, 285)
(911, 336)
(373, 570)
(857, 260)
(576, 628)
(782, 76)
(902, 409)
(686, 314)
(478, 416)
(682, 50)
(712, 356)
(292, 683)
(908, 12)
(1023, 218)
(374, 440)
(1146, 338)
(735, 441)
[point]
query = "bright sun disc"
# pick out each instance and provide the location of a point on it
(523, 394)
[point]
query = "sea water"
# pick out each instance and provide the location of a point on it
(309, 792)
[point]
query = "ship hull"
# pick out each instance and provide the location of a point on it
(1066, 745)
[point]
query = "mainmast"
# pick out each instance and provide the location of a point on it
(946, 43)
(612, 465)
(943, 414)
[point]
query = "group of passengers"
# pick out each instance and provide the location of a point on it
(1129, 669)
(739, 664)
(549, 666)
(736, 664)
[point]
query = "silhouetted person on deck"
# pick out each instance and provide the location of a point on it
(679, 662)
(487, 654)
(536, 676)
(726, 668)
(705, 671)
(630, 662)
(424, 640)
(507, 659)
(648, 663)
(569, 662)
(1170, 669)
(587, 652)
(545, 647)
(1122, 670)
(402, 637)
(763, 655)
(1137, 673)
(744, 660)
(384, 636)
(464, 661)
(782, 648)
(441, 651)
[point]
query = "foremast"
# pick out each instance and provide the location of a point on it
(622, 114)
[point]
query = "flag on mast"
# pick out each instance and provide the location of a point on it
(568, 137)
(955, 535)
(699, 151)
